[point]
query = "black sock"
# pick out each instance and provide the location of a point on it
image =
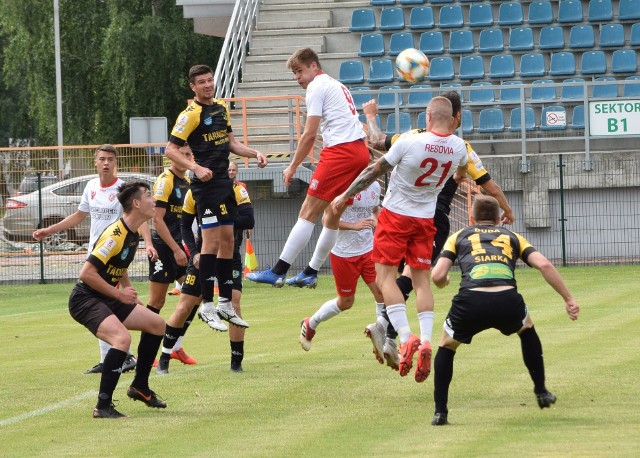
(391, 331)
(153, 309)
(532, 355)
(237, 352)
(224, 274)
(207, 275)
(171, 335)
(405, 284)
(281, 267)
(147, 351)
(111, 370)
(309, 271)
(187, 323)
(443, 373)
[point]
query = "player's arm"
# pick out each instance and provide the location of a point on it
(492, 189)
(173, 154)
(188, 237)
(304, 146)
(89, 275)
(72, 220)
(239, 148)
(362, 182)
(163, 232)
(440, 273)
(460, 173)
(376, 137)
(145, 231)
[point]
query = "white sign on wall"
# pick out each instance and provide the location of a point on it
(614, 117)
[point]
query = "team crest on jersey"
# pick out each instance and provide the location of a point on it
(208, 121)
(93, 195)
(112, 197)
(106, 247)
(314, 184)
(178, 193)
(124, 253)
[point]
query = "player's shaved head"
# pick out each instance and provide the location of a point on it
(439, 114)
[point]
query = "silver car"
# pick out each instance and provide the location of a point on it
(59, 200)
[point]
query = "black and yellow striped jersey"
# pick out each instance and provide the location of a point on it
(169, 191)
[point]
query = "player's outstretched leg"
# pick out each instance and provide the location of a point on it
(267, 276)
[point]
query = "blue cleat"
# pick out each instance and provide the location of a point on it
(267, 276)
(301, 280)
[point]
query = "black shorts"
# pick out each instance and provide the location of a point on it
(215, 202)
(165, 269)
(474, 311)
(191, 284)
(90, 309)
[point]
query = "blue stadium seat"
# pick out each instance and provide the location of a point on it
(570, 11)
(552, 116)
(532, 65)
(363, 119)
(467, 121)
(363, 20)
(481, 95)
(431, 43)
(461, 42)
(400, 41)
(577, 117)
(515, 119)
(612, 35)
(480, 15)
(491, 120)
(421, 17)
(491, 41)
(502, 66)
(605, 91)
(600, 10)
(510, 91)
(358, 98)
(418, 97)
(371, 45)
(551, 37)
(441, 1)
(593, 63)
(450, 17)
(628, 9)
(635, 34)
(562, 64)
(540, 13)
(441, 69)
(411, 2)
(632, 90)
(421, 122)
(471, 68)
(392, 19)
(510, 13)
(444, 87)
(573, 91)
(351, 72)
(624, 61)
(381, 71)
(542, 90)
(521, 39)
(581, 36)
(382, 2)
(388, 98)
(404, 123)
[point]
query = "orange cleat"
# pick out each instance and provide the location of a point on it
(407, 350)
(181, 356)
(174, 292)
(423, 369)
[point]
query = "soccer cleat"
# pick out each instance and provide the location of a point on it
(129, 364)
(301, 281)
(108, 412)
(97, 369)
(267, 276)
(237, 368)
(407, 350)
(439, 419)
(423, 368)
(306, 334)
(375, 332)
(226, 312)
(150, 398)
(391, 355)
(181, 356)
(174, 292)
(209, 315)
(163, 364)
(546, 399)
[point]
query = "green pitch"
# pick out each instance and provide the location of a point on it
(336, 399)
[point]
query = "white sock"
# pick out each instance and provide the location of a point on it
(178, 285)
(298, 239)
(379, 308)
(398, 316)
(104, 349)
(328, 310)
(178, 344)
(326, 241)
(426, 325)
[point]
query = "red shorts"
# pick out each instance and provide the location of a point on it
(346, 272)
(399, 236)
(339, 165)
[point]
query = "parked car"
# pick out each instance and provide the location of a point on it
(29, 183)
(59, 200)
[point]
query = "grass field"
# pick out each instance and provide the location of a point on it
(336, 399)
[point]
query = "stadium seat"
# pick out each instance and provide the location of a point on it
(502, 66)
(600, 10)
(552, 117)
(509, 93)
(624, 61)
(418, 97)
(382, 2)
(404, 123)
(363, 119)
(628, 9)
(421, 17)
(510, 13)
(577, 117)
(371, 45)
(635, 34)
(392, 19)
(441, 69)
(491, 41)
(481, 95)
(381, 71)
(441, 1)
(573, 91)
(570, 11)
(351, 72)
(450, 17)
(562, 64)
(540, 13)
(542, 90)
(515, 119)
(467, 121)
(480, 15)
(421, 122)
(461, 42)
(358, 97)
(605, 91)
(631, 90)
(612, 35)
(400, 41)
(593, 63)
(388, 97)
(532, 65)
(411, 2)
(551, 37)
(431, 43)
(363, 20)
(521, 39)
(471, 68)
(581, 36)
(491, 120)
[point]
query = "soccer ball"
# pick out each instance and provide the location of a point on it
(412, 65)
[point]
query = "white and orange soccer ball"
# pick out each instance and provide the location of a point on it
(412, 65)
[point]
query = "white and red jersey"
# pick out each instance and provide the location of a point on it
(423, 163)
(354, 243)
(102, 205)
(330, 99)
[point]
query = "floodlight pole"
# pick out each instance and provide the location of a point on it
(56, 33)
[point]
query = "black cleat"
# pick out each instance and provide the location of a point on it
(237, 368)
(129, 364)
(163, 364)
(439, 419)
(108, 412)
(546, 399)
(97, 369)
(147, 396)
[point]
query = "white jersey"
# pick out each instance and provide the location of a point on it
(330, 99)
(355, 243)
(423, 163)
(103, 206)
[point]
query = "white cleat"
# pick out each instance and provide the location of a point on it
(209, 315)
(375, 332)
(226, 312)
(391, 355)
